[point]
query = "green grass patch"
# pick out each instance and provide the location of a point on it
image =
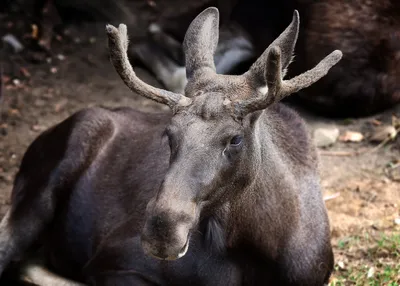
(369, 261)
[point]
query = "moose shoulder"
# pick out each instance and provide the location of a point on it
(222, 191)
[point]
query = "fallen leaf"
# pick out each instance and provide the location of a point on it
(351, 136)
(25, 72)
(60, 105)
(376, 122)
(38, 128)
(14, 112)
(331, 197)
(325, 136)
(382, 133)
(35, 32)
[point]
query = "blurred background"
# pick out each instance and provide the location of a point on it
(54, 61)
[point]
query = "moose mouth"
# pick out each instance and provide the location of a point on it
(181, 253)
(183, 250)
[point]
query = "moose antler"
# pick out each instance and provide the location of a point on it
(278, 88)
(118, 46)
(269, 70)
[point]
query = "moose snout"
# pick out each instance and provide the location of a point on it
(166, 236)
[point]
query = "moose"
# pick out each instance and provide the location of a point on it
(222, 190)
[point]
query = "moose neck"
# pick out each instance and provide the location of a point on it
(258, 209)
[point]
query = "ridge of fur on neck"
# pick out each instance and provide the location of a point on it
(214, 232)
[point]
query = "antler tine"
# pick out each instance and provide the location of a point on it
(118, 46)
(311, 76)
(278, 88)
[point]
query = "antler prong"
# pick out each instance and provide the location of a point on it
(278, 88)
(270, 67)
(273, 72)
(311, 76)
(118, 46)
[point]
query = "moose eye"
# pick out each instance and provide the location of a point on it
(236, 140)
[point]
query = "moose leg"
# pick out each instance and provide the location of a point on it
(7, 243)
(21, 226)
(33, 271)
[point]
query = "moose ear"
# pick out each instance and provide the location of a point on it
(201, 41)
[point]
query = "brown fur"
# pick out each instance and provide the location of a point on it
(367, 32)
(367, 80)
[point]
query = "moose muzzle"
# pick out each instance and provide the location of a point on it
(166, 231)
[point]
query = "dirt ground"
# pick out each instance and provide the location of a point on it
(78, 75)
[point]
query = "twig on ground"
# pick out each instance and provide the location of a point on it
(331, 197)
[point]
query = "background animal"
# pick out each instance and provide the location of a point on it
(367, 31)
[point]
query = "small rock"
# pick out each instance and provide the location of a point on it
(326, 136)
(16, 82)
(341, 264)
(60, 57)
(371, 272)
(60, 105)
(38, 128)
(397, 220)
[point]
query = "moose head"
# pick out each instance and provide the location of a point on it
(214, 135)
